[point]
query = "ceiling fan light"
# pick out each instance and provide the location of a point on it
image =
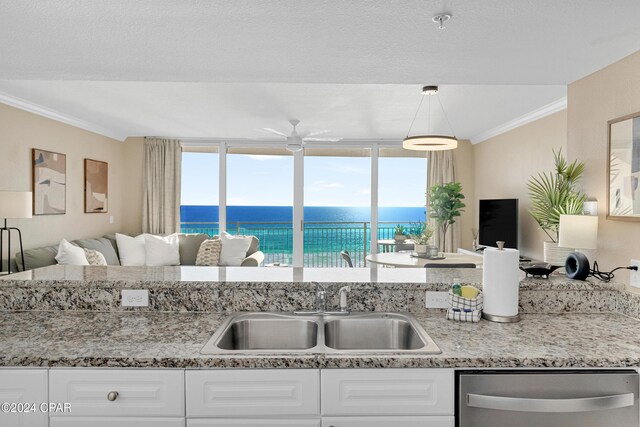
(430, 143)
(294, 148)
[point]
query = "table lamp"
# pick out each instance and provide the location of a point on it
(13, 204)
(578, 232)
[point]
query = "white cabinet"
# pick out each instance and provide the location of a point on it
(22, 386)
(250, 393)
(116, 422)
(244, 422)
(388, 422)
(118, 392)
(387, 392)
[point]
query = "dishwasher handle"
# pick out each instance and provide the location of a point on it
(599, 403)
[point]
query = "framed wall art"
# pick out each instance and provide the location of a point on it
(49, 182)
(623, 171)
(96, 186)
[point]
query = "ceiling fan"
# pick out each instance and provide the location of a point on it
(296, 141)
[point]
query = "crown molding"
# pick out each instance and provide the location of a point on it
(554, 107)
(49, 113)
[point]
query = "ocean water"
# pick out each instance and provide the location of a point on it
(327, 231)
(189, 213)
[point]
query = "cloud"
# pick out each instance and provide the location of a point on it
(366, 191)
(263, 157)
(320, 184)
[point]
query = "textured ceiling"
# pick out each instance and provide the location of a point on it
(227, 68)
(240, 110)
(315, 41)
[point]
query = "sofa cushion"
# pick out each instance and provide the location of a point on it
(102, 245)
(189, 246)
(37, 257)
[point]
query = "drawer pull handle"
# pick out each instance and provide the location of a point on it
(112, 396)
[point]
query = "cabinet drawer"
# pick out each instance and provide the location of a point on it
(23, 386)
(116, 422)
(389, 421)
(240, 422)
(387, 392)
(252, 393)
(140, 393)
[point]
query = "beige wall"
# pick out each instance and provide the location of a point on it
(465, 168)
(607, 94)
(132, 194)
(504, 163)
(20, 131)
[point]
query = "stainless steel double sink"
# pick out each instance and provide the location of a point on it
(271, 333)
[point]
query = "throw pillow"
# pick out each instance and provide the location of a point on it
(234, 249)
(94, 257)
(69, 254)
(131, 249)
(161, 250)
(209, 252)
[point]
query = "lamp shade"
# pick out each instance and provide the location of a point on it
(430, 143)
(15, 204)
(578, 231)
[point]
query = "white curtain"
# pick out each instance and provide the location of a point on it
(161, 175)
(441, 169)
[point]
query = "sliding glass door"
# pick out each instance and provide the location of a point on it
(260, 199)
(337, 205)
(305, 207)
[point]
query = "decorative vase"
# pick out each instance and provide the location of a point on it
(421, 249)
(555, 255)
(399, 237)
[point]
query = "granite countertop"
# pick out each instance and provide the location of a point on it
(207, 277)
(148, 339)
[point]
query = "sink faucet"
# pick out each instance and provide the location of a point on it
(321, 302)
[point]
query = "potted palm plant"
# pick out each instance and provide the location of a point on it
(445, 205)
(553, 194)
(421, 236)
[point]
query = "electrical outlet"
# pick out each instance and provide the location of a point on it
(111, 220)
(135, 298)
(436, 299)
(634, 279)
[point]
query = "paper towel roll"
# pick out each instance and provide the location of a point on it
(500, 281)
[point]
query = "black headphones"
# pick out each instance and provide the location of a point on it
(577, 266)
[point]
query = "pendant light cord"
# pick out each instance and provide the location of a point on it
(445, 116)
(415, 115)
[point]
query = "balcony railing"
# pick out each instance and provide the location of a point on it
(323, 241)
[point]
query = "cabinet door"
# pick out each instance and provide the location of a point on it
(389, 422)
(243, 422)
(116, 422)
(253, 393)
(133, 392)
(387, 392)
(22, 386)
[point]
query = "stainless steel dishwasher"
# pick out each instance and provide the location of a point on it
(547, 398)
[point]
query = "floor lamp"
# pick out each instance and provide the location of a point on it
(13, 204)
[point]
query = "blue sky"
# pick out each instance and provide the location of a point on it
(256, 180)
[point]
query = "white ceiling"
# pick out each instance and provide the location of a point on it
(224, 68)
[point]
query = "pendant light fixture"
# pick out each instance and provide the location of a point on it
(430, 142)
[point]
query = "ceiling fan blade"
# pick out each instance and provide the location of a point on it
(335, 139)
(273, 131)
(313, 133)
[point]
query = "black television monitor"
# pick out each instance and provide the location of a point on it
(498, 221)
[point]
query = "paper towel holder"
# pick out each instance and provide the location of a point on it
(501, 319)
(494, 317)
